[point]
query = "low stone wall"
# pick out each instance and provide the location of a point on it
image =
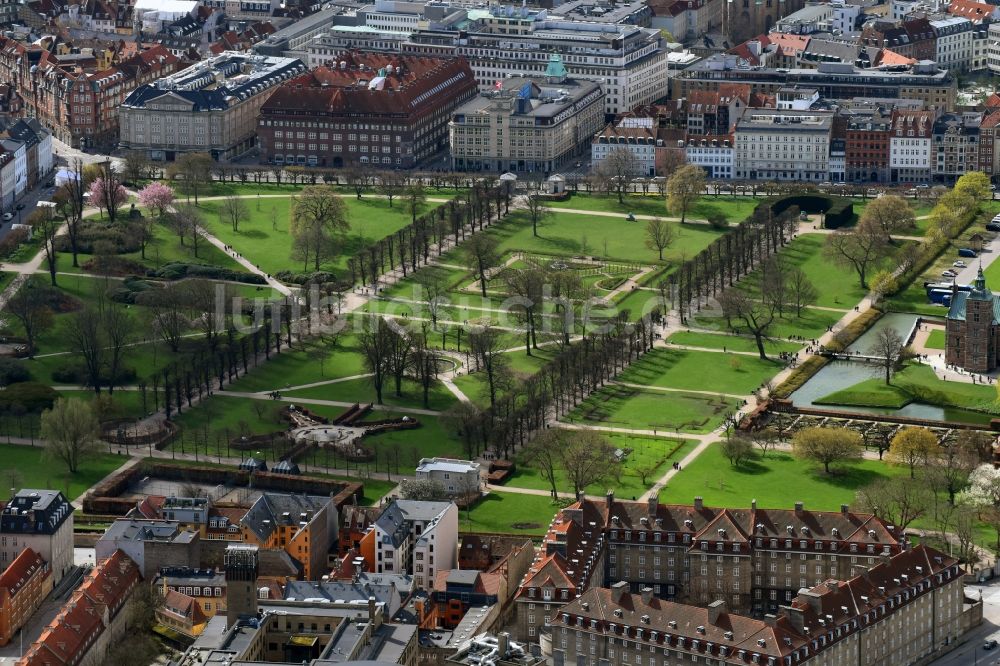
(105, 497)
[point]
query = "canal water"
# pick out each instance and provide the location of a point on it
(839, 375)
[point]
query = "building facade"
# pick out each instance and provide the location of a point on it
(972, 327)
(420, 538)
(23, 587)
(41, 520)
(910, 146)
(783, 145)
(379, 110)
(151, 544)
(304, 526)
(458, 477)
(527, 125)
(867, 145)
(211, 107)
(902, 611)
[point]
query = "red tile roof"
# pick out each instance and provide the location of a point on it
(184, 608)
(20, 571)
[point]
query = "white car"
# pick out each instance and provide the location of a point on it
(959, 264)
(7, 217)
(949, 273)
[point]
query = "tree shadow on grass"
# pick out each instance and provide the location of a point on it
(254, 234)
(846, 476)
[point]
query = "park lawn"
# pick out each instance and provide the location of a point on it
(361, 390)
(638, 302)
(510, 513)
(270, 246)
(775, 481)
(6, 277)
(918, 383)
(734, 209)
(836, 286)
(935, 340)
(409, 446)
(475, 388)
(812, 324)
(700, 371)
(411, 287)
(522, 366)
(651, 454)
(725, 342)
(613, 238)
(675, 411)
(297, 366)
(34, 470)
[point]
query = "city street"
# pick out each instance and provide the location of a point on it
(971, 652)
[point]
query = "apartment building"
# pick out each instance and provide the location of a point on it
(376, 109)
(867, 144)
(206, 586)
(955, 145)
(150, 544)
(953, 43)
(757, 558)
(527, 125)
(38, 141)
(911, 38)
(630, 134)
(902, 611)
(24, 585)
(41, 520)
(921, 81)
(416, 537)
(304, 526)
(211, 107)
(79, 104)
(628, 62)
(910, 146)
(91, 621)
(776, 144)
(714, 154)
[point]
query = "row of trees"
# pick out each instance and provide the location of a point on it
(727, 259)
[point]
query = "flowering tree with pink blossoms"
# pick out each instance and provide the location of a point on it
(108, 195)
(157, 196)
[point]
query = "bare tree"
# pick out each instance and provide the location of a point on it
(486, 345)
(544, 453)
(86, 338)
(389, 184)
(235, 211)
(195, 172)
(889, 350)
(660, 235)
(119, 329)
(896, 500)
(400, 350)
(534, 203)
(167, 307)
(736, 449)
(801, 291)
(376, 342)
(860, 249)
(481, 255)
(684, 188)
(319, 217)
(757, 316)
(70, 203)
(587, 458)
(30, 307)
(617, 170)
(70, 431)
(424, 362)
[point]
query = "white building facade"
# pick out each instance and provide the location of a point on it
(783, 145)
(416, 537)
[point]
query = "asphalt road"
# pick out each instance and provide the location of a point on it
(971, 652)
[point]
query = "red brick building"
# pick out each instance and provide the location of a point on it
(79, 104)
(373, 109)
(23, 587)
(866, 154)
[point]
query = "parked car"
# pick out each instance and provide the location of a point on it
(967, 252)
(20, 206)
(7, 217)
(949, 274)
(959, 264)
(993, 226)
(990, 644)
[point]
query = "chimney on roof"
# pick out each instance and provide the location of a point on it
(698, 503)
(799, 506)
(795, 615)
(844, 509)
(814, 600)
(503, 644)
(715, 609)
(652, 503)
(580, 496)
(647, 595)
(753, 505)
(609, 498)
(619, 591)
(770, 619)
(371, 609)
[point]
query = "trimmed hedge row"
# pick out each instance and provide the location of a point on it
(839, 210)
(177, 271)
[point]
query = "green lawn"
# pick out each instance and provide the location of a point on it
(27, 467)
(775, 481)
(361, 390)
(700, 371)
(650, 454)
(916, 383)
(269, 247)
(569, 234)
(812, 324)
(735, 209)
(510, 513)
(625, 407)
(729, 342)
(836, 286)
(935, 340)
(299, 366)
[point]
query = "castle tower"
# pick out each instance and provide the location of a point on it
(241, 564)
(971, 339)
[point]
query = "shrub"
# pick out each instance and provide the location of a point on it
(13, 371)
(177, 271)
(11, 241)
(290, 277)
(76, 374)
(31, 396)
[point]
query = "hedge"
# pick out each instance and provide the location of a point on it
(839, 210)
(177, 271)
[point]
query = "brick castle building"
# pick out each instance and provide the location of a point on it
(972, 327)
